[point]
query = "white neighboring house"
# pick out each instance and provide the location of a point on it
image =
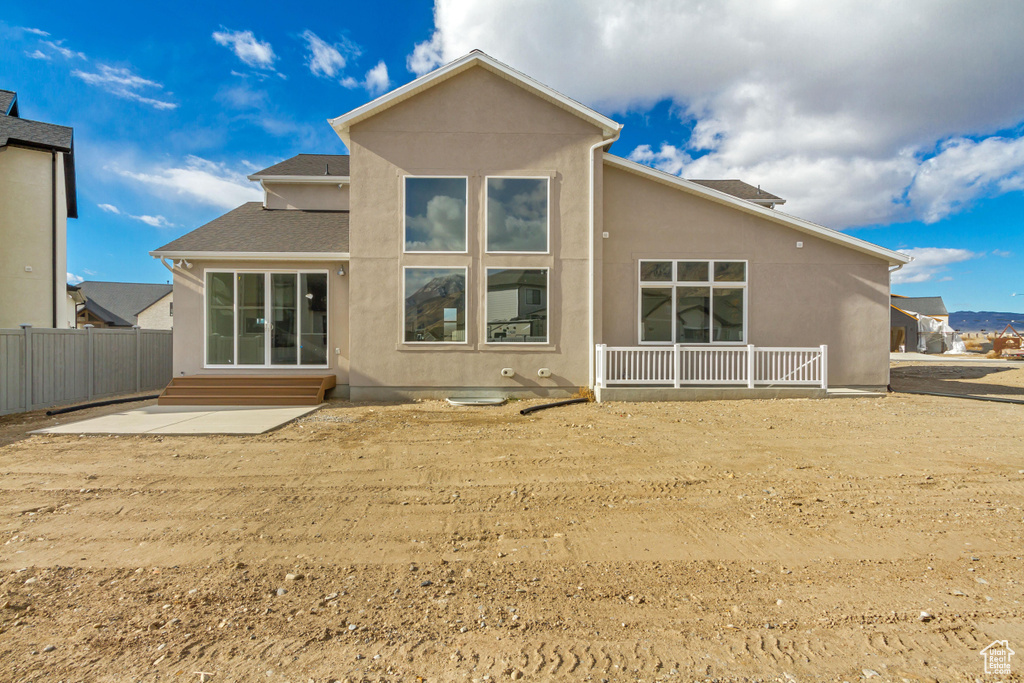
(37, 196)
(124, 304)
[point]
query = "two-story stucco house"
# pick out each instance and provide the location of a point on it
(37, 196)
(480, 239)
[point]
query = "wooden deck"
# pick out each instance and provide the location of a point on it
(247, 390)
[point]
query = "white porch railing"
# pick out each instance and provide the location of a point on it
(684, 365)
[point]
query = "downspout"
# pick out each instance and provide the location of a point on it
(53, 233)
(593, 238)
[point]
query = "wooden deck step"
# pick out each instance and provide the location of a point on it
(247, 390)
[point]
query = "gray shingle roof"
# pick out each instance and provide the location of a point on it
(35, 133)
(738, 188)
(925, 305)
(7, 98)
(309, 164)
(251, 228)
(119, 303)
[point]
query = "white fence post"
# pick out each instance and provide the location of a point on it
(600, 369)
(90, 362)
(750, 366)
(824, 367)
(26, 378)
(676, 371)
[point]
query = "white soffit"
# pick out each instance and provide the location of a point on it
(343, 123)
(774, 215)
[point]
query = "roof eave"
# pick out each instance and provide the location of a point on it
(304, 179)
(253, 255)
(893, 257)
(343, 123)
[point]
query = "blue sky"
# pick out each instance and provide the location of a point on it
(899, 124)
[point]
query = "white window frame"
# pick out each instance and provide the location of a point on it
(465, 271)
(266, 298)
(547, 293)
(547, 227)
(710, 283)
(405, 178)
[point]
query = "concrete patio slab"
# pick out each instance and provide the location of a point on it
(186, 420)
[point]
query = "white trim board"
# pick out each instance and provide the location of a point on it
(893, 257)
(343, 123)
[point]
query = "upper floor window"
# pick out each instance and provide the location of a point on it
(517, 215)
(435, 214)
(693, 302)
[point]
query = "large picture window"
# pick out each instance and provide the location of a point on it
(517, 215)
(517, 305)
(266, 319)
(693, 302)
(435, 214)
(435, 305)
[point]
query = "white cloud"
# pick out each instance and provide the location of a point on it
(36, 31)
(247, 48)
(197, 180)
(965, 170)
(426, 56)
(67, 53)
(75, 279)
(123, 83)
(1002, 253)
(377, 81)
(154, 221)
(349, 83)
(36, 54)
(929, 262)
(669, 159)
(324, 59)
(838, 107)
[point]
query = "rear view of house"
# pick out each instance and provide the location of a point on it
(481, 239)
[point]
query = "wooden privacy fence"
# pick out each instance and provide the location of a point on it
(683, 365)
(40, 368)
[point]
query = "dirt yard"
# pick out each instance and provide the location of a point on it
(729, 541)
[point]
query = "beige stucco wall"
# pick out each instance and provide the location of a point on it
(312, 197)
(26, 205)
(190, 314)
(158, 315)
(822, 293)
(474, 124)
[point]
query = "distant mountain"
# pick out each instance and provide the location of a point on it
(990, 321)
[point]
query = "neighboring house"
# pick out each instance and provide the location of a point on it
(904, 326)
(37, 196)
(481, 239)
(126, 304)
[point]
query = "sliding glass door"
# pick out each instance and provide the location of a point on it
(266, 319)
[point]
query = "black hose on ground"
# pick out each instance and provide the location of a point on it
(533, 409)
(973, 398)
(97, 404)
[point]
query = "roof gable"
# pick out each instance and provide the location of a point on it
(308, 165)
(119, 303)
(893, 257)
(8, 103)
(476, 58)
